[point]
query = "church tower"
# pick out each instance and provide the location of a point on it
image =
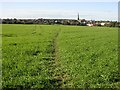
(78, 16)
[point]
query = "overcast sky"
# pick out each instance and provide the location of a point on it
(87, 10)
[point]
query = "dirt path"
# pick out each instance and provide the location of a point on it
(56, 65)
(58, 72)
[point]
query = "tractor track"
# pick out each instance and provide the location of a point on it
(58, 76)
(56, 67)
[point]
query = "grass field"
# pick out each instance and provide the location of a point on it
(48, 56)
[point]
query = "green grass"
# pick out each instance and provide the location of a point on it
(47, 56)
(89, 56)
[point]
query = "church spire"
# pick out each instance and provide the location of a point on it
(78, 16)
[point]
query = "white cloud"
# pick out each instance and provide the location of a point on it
(31, 13)
(53, 13)
(59, 0)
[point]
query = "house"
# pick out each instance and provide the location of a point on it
(102, 24)
(90, 25)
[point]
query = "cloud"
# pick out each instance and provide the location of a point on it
(53, 13)
(59, 0)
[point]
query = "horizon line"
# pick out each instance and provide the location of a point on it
(61, 18)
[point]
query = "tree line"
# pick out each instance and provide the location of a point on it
(60, 21)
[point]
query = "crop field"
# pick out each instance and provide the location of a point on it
(58, 56)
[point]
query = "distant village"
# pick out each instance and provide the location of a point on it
(78, 22)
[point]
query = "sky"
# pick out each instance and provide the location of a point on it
(60, 10)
